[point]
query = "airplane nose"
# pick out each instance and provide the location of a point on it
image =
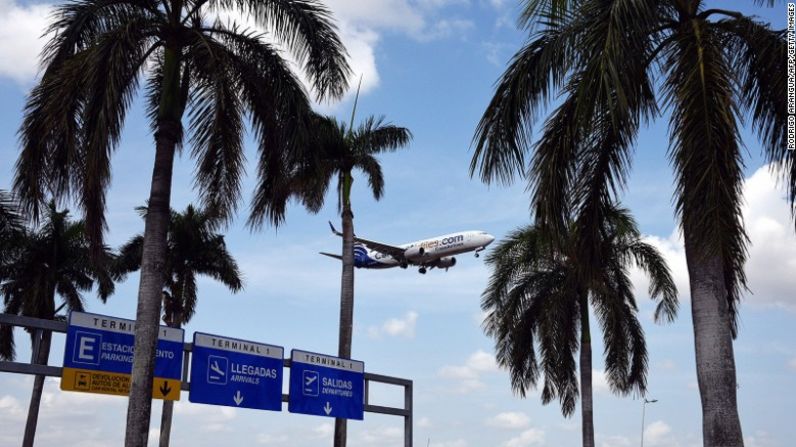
(489, 239)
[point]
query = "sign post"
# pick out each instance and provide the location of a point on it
(98, 357)
(326, 386)
(236, 373)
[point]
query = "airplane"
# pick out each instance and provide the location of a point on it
(426, 254)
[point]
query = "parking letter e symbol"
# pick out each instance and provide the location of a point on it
(87, 348)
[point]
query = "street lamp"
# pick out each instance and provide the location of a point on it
(643, 410)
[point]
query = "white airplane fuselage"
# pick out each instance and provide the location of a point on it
(433, 252)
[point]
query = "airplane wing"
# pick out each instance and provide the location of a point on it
(392, 250)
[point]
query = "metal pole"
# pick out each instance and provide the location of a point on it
(643, 411)
(408, 418)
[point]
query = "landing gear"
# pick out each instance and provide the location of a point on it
(404, 265)
(477, 251)
(422, 270)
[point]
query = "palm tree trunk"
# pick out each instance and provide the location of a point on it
(169, 132)
(715, 360)
(42, 356)
(346, 296)
(586, 398)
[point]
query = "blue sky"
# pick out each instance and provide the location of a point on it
(428, 65)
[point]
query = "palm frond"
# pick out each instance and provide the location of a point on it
(758, 56)
(115, 61)
(216, 124)
(307, 29)
(374, 136)
(504, 132)
(706, 153)
(372, 169)
(662, 285)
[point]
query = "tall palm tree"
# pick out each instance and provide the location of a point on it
(197, 68)
(194, 248)
(51, 260)
(342, 149)
(539, 296)
(616, 64)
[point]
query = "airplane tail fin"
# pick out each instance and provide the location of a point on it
(332, 255)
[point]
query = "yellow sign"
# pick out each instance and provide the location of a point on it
(114, 383)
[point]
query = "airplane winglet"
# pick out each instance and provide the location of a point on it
(331, 255)
(334, 230)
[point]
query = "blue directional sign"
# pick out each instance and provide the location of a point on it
(236, 373)
(98, 357)
(326, 386)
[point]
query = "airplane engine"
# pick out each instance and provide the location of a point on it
(444, 263)
(415, 253)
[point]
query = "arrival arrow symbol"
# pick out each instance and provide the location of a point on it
(165, 389)
(327, 409)
(237, 398)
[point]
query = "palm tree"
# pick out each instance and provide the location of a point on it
(10, 226)
(341, 150)
(616, 64)
(197, 68)
(538, 296)
(194, 248)
(53, 259)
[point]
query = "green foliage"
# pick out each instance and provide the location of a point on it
(534, 305)
(615, 64)
(339, 151)
(218, 72)
(193, 248)
(51, 259)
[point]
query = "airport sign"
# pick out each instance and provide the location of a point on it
(322, 385)
(236, 373)
(98, 357)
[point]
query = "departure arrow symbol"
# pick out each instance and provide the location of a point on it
(237, 398)
(165, 389)
(327, 409)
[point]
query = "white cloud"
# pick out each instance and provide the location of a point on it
(616, 441)
(772, 247)
(532, 436)
(445, 28)
(760, 439)
(468, 376)
(360, 25)
(324, 430)
(455, 443)
(21, 29)
(271, 439)
(657, 434)
(382, 436)
(424, 422)
(396, 327)
(772, 250)
(599, 382)
(482, 361)
(509, 419)
(667, 364)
